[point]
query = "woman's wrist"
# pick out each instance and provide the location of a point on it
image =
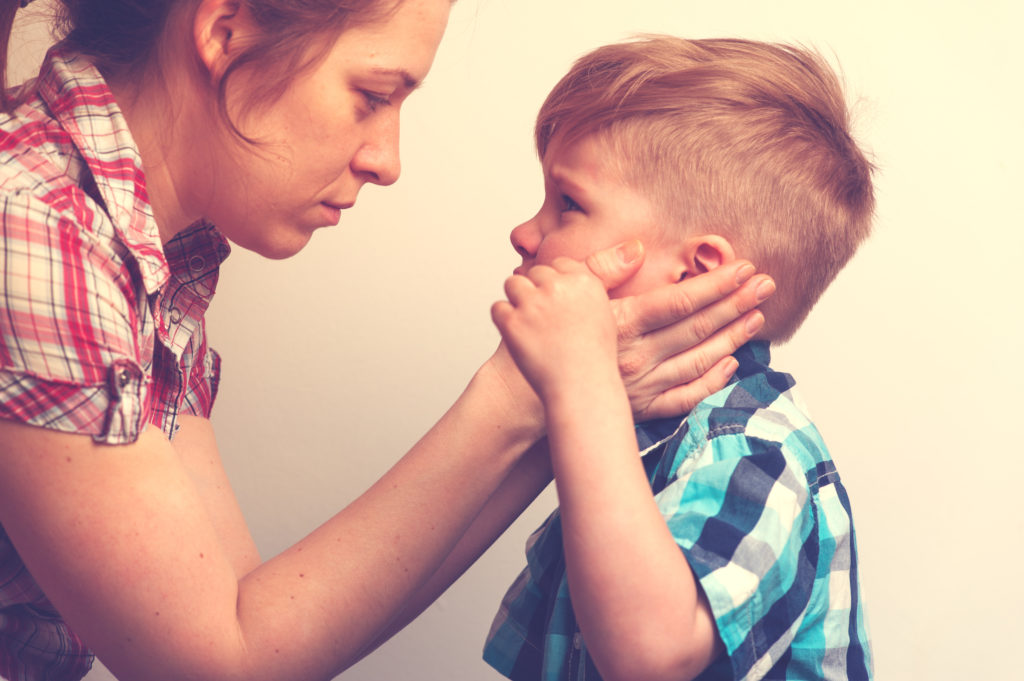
(515, 406)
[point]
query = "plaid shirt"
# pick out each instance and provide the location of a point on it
(101, 325)
(755, 503)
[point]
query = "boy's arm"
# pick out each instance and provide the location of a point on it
(639, 606)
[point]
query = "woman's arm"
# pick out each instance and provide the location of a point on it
(142, 549)
(124, 545)
(196, 446)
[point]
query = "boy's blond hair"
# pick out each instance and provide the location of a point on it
(744, 139)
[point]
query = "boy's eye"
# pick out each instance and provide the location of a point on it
(375, 100)
(568, 204)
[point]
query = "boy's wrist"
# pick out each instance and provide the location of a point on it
(584, 396)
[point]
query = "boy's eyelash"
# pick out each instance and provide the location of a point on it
(569, 204)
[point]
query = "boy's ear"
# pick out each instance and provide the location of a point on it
(217, 29)
(703, 253)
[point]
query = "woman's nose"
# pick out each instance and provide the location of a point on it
(378, 158)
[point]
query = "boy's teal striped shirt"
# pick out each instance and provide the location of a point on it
(754, 501)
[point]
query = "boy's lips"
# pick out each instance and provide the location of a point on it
(523, 269)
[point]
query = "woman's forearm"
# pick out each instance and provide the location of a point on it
(529, 477)
(122, 542)
(398, 545)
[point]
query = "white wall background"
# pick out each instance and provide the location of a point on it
(337, 360)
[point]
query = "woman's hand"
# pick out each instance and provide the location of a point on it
(675, 343)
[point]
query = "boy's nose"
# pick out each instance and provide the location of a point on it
(525, 239)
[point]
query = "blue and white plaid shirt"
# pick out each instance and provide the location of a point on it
(750, 493)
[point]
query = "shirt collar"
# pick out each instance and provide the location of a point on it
(753, 359)
(82, 103)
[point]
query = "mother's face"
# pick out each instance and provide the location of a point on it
(334, 129)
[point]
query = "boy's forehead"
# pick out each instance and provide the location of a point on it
(585, 157)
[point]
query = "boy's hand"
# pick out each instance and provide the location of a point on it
(558, 326)
(675, 343)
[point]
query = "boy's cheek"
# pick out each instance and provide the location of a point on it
(648, 278)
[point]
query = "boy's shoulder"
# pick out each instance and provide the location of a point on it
(759, 415)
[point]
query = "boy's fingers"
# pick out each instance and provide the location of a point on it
(614, 266)
(516, 287)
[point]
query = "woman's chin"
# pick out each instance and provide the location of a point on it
(280, 245)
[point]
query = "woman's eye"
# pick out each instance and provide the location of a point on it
(375, 100)
(568, 204)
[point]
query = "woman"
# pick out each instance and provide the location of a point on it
(150, 123)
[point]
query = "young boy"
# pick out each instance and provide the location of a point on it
(742, 564)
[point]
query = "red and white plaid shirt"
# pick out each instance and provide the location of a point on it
(101, 325)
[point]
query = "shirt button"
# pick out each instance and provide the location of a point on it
(196, 263)
(175, 315)
(124, 377)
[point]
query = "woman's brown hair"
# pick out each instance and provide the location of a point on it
(123, 38)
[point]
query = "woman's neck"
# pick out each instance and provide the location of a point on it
(161, 119)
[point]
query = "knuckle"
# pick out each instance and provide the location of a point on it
(696, 365)
(684, 305)
(631, 365)
(702, 326)
(598, 262)
(626, 322)
(692, 399)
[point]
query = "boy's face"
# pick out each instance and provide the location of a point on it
(588, 206)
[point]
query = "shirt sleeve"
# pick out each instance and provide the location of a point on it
(73, 342)
(741, 514)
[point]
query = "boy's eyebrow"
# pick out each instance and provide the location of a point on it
(563, 178)
(407, 79)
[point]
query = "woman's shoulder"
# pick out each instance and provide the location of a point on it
(36, 153)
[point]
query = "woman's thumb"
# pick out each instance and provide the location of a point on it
(615, 265)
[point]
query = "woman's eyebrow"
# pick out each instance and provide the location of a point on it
(407, 79)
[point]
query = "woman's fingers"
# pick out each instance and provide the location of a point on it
(732, 288)
(682, 380)
(675, 342)
(719, 328)
(614, 266)
(685, 396)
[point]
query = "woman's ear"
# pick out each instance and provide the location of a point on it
(217, 29)
(703, 253)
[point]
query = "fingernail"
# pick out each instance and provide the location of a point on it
(629, 251)
(765, 289)
(754, 323)
(730, 367)
(743, 273)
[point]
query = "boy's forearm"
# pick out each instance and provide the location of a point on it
(633, 592)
